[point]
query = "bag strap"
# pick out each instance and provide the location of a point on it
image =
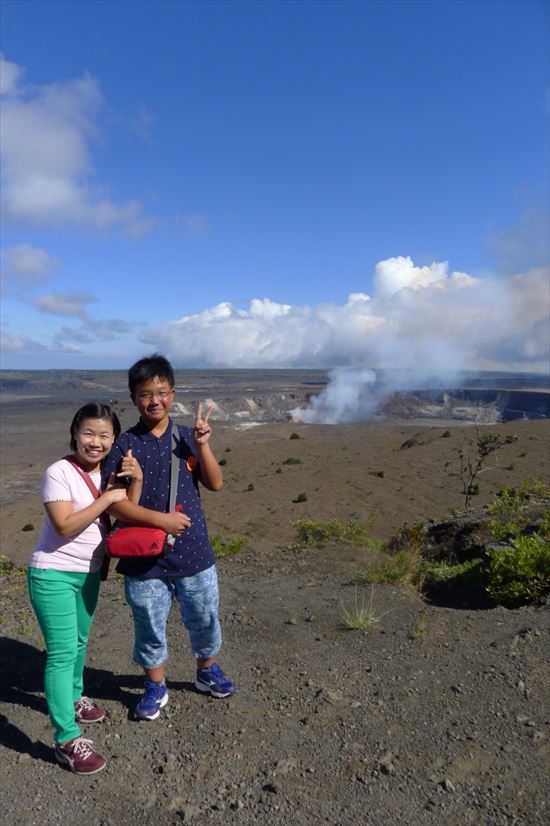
(104, 519)
(174, 469)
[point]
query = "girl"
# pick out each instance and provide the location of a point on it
(64, 573)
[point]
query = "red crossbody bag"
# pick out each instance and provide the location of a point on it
(140, 540)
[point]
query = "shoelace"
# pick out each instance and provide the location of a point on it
(82, 747)
(85, 702)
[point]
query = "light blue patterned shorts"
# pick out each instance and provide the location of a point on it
(151, 600)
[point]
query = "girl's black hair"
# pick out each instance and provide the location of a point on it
(93, 410)
(150, 367)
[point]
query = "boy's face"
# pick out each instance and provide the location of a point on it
(154, 399)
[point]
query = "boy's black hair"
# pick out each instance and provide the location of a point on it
(154, 366)
(93, 410)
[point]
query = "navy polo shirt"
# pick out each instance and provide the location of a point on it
(192, 551)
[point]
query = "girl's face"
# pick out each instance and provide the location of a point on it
(94, 439)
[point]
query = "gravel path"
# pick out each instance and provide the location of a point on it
(433, 716)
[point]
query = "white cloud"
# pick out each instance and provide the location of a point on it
(24, 259)
(19, 344)
(25, 267)
(64, 304)
(396, 274)
(419, 317)
(10, 74)
(106, 329)
(46, 161)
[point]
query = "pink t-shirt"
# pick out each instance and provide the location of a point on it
(82, 552)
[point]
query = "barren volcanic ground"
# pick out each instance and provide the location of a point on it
(435, 715)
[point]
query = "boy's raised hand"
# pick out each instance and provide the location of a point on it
(130, 467)
(202, 430)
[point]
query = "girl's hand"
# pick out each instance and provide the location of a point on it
(202, 430)
(113, 495)
(131, 467)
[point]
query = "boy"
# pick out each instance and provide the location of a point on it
(188, 572)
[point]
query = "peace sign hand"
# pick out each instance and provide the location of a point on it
(202, 430)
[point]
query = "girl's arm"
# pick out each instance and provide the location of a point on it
(68, 522)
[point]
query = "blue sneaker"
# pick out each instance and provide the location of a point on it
(214, 681)
(154, 698)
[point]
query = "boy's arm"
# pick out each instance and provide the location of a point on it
(173, 522)
(211, 474)
(131, 469)
(133, 513)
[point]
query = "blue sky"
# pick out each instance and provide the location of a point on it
(249, 184)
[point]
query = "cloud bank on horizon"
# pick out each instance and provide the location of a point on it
(423, 318)
(428, 318)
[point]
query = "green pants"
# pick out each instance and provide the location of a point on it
(64, 603)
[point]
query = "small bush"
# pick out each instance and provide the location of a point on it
(446, 434)
(379, 473)
(520, 572)
(420, 629)
(292, 460)
(228, 450)
(222, 462)
(319, 533)
(402, 569)
(226, 547)
(302, 497)
(509, 505)
(6, 565)
(295, 436)
(250, 487)
(470, 572)
(28, 527)
(362, 617)
(279, 470)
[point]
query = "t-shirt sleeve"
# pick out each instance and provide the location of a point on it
(55, 485)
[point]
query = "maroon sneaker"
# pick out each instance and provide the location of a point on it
(86, 711)
(80, 756)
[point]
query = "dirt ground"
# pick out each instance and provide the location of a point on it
(433, 716)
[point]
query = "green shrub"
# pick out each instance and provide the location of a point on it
(508, 508)
(318, 532)
(379, 473)
(292, 460)
(295, 436)
(302, 497)
(222, 462)
(28, 527)
(226, 547)
(6, 565)
(250, 487)
(421, 628)
(521, 571)
(401, 569)
(470, 572)
(446, 434)
(279, 470)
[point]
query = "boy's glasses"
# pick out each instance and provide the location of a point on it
(146, 396)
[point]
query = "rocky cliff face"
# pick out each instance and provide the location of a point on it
(468, 405)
